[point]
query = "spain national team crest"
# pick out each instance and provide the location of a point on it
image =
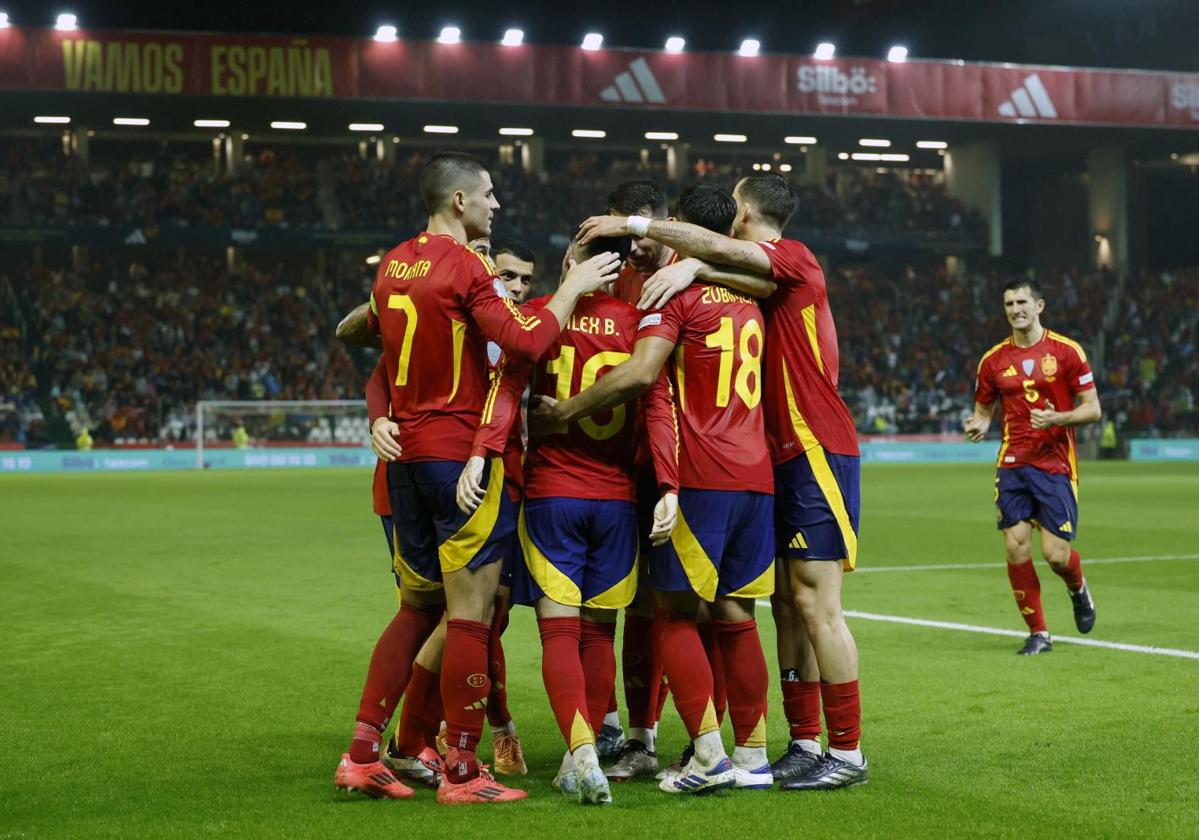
(1049, 365)
(1027, 365)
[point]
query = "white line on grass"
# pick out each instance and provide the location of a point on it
(934, 567)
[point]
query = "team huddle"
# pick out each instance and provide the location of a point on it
(687, 457)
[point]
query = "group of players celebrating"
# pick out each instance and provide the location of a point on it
(687, 455)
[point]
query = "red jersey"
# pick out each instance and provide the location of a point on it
(378, 404)
(1047, 375)
(435, 304)
(627, 285)
(592, 458)
(803, 408)
(716, 376)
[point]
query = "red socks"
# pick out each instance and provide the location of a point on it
(598, 657)
(1072, 574)
(388, 673)
(637, 659)
(707, 635)
(464, 689)
(687, 668)
(497, 701)
(422, 711)
(801, 705)
(1026, 586)
(842, 714)
(741, 650)
(562, 671)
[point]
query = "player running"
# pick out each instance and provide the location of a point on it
(813, 445)
(435, 303)
(713, 523)
(1032, 373)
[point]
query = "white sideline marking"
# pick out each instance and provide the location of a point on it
(997, 631)
(932, 567)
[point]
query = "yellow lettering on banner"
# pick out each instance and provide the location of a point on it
(256, 68)
(152, 68)
(276, 83)
(123, 68)
(217, 61)
(299, 71)
(93, 72)
(322, 73)
(172, 77)
(237, 69)
(72, 63)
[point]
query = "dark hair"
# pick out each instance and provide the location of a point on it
(1023, 281)
(445, 174)
(708, 206)
(514, 247)
(619, 245)
(633, 197)
(771, 196)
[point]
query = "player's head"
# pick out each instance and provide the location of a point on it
(765, 200)
(641, 198)
(459, 186)
(1023, 303)
(515, 263)
(619, 245)
(708, 206)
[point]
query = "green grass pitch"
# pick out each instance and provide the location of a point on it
(182, 656)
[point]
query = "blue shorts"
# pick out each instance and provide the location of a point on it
(578, 552)
(389, 532)
(1027, 494)
(817, 502)
(432, 536)
(723, 544)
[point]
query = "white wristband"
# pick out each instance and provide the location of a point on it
(638, 226)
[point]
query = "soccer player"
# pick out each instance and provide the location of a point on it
(435, 303)
(714, 519)
(515, 264)
(578, 526)
(813, 445)
(1033, 373)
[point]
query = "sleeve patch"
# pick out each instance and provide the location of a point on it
(1087, 379)
(650, 321)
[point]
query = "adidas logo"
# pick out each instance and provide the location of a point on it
(1066, 528)
(1011, 371)
(798, 541)
(635, 85)
(136, 238)
(1029, 100)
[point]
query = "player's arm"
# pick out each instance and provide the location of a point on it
(1087, 411)
(355, 328)
(689, 239)
(617, 386)
(385, 434)
(527, 335)
(668, 281)
(662, 431)
(500, 411)
(977, 424)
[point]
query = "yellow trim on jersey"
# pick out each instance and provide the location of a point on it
(809, 322)
(1003, 446)
(679, 355)
(459, 330)
(557, 587)
(492, 393)
(621, 595)
(457, 551)
(374, 306)
(806, 439)
(827, 482)
(408, 576)
(483, 258)
(1073, 457)
(991, 353)
(699, 568)
(760, 587)
(1069, 342)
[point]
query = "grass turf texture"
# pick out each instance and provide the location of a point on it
(183, 654)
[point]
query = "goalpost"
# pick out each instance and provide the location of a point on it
(245, 424)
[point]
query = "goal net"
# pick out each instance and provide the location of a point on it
(279, 424)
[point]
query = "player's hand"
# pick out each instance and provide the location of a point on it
(542, 418)
(593, 274)
(667, 282)
(666, 514)
(598, 226)
(1043, 418)
(470, 485)
(385, 439)
(976, 428)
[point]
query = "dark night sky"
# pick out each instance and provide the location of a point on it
(1115, 33)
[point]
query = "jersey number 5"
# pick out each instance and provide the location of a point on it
(748, 382)
(1030, 391)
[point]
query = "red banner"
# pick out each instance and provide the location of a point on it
(235, 65)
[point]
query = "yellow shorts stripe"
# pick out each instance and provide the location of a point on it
(620, 595)
(698, 567)
(408, 576)
(557, 587)
(827, 482)
(760, 587)
(457, 551)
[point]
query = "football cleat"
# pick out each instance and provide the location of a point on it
(747, 778)
(609, 741)
(1084, 609)
(423, 769)
(566, 782)
(793, 763)
(593, 787)
(679, 764)
(829, 773)
(635, 760)
(509, 760)
(695, 780)
(373, 780)
(481, 790)
(1036, 643)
